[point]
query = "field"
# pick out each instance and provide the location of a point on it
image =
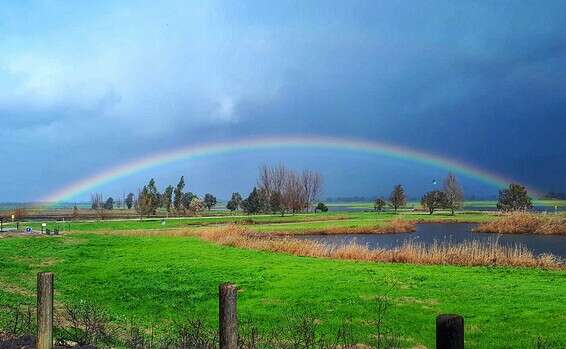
(263, 223)
(151, 279)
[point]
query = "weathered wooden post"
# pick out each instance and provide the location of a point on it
(228, 316)
(449, 332)
(44, 311)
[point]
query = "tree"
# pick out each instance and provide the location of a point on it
(379, 204)
(186, 200)
(96, 201)
(312, 186)
(276, 204)
(434, 200)
(397, 198)
(454, 193)
(196, 205)
(252, 203)
(271, 184)
(167, 198)
(235, 202)
(282, 189)
(153, 196)
(109, 204)
(209, 201)
(76, 213)
(97, 204)
(321, 207)
(129, 201)
(142, 204)
(178, 199)
(265, 200)
(294, 197)
(514, 198)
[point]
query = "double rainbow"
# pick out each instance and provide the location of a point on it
(265, 143)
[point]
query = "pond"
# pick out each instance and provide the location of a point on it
(428, 233)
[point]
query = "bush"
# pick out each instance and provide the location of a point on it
(321, 207)
(84, 323)
(16, 321)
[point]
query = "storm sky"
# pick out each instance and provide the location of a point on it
(86, 86)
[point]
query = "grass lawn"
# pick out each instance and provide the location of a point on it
(156, 278)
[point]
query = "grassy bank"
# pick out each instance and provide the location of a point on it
(155, 278)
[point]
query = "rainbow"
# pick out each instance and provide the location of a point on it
(289, 142)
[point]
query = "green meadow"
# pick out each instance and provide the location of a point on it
(152, 280)
(275, 223)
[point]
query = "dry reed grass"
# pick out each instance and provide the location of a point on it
(525, 223)
(471, 253)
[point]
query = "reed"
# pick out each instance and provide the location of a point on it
(525, 223)
(472, 253)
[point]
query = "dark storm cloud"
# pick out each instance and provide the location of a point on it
(482, 82)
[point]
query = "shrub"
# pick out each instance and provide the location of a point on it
(321, 207)
(84, 323)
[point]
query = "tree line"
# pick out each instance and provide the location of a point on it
(174, 200)
(283, 190)
(451, 197)
(280, 190)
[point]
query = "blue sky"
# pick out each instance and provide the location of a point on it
(88, 85)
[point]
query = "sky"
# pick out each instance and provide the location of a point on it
(86, 86)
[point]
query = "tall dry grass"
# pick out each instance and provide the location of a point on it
(525, 223)
(471, 253)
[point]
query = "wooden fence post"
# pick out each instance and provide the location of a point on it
(449, 332)
(44, 311)
(228, 316)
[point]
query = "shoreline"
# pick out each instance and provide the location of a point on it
(462, 254)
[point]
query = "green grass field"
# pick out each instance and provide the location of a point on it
(275, 223)
(156, 278)
(173, 277)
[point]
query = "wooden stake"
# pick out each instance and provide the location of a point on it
(228, 316)
(44, 311)
(449, 332)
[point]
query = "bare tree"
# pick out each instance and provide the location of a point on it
(285, 190)
(312, 186)
(454, 193)
(97, 204)
(294, 197)
(272, 183)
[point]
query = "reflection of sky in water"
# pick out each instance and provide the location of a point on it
(448, 233)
